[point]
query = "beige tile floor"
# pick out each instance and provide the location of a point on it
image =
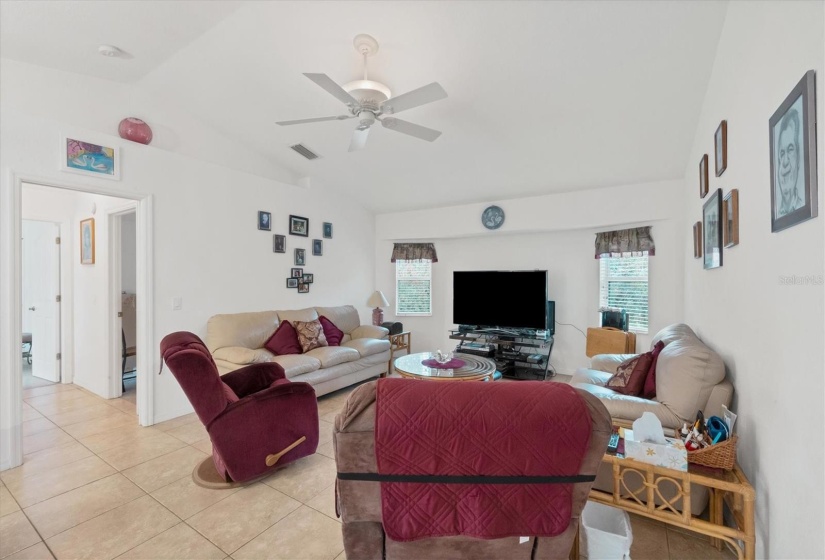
(95, 485)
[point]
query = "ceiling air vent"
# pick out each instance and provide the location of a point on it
(304, 151)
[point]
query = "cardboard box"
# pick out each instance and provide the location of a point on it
(672, 455)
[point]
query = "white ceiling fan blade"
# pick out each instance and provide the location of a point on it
(416, 130)
(326, 82)
(414, 98)
(359, 139)
(319, 119)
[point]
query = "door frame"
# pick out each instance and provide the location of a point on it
(11, 377)
(115, 286)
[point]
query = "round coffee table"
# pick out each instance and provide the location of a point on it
(475, 368)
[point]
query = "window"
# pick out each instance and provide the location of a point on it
(413, 287)
(623, 284)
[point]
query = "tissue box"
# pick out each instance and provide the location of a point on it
(672, 454)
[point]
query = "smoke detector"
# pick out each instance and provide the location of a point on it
(109, 51)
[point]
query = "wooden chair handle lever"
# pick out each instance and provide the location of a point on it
(272, 459)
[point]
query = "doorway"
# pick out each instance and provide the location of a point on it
(122, 226)
(40, 256)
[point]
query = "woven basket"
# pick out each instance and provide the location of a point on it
(719, 456)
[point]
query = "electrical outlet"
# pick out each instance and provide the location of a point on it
(177, 303)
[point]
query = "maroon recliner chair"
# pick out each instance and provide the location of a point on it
(256, 418)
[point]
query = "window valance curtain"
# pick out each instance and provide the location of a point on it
(413, 252)
(633, 242)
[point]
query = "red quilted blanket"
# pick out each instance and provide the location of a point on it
(485, 460)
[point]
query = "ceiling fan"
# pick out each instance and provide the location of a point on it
(371, 101)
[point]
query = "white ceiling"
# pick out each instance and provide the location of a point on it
(65, 35)
(543, 96)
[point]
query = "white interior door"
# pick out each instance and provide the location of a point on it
(41, 286)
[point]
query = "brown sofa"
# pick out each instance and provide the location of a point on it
(360, 501)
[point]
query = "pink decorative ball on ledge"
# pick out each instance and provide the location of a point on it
(135, 130)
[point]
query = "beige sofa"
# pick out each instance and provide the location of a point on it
(689, 377)
(236, 340)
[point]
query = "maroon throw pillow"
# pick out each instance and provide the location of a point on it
(629, 378)
(284, 340)
(333, 334)
(649, 390)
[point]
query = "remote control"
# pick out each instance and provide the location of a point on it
(613, 444)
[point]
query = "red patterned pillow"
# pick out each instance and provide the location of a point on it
(334, 334)
(649, 391)
(284, 340)
(629, 378)
(310, 334)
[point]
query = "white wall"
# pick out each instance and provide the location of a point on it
(769, 334)
(553, 232)
(207, 248)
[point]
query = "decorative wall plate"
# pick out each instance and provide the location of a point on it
(492, 217)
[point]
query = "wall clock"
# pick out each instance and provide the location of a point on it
(492, 217)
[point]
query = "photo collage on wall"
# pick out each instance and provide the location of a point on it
(298, 226)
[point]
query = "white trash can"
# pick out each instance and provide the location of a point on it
(606, 533)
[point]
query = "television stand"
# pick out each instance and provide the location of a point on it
(520, 355)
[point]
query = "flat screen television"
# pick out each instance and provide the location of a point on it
(500, 299)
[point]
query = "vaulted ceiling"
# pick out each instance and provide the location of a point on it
(543, 96)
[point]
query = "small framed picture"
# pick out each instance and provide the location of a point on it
(730, 217)
(697, 240)
(317, 247)
(279, 243)
(703, 176)
(720, 144)
(300, 257)
(85, 158)
(793, 157)
(297, 272)
(303, 288)
(308, 278)
(264, 221)
(87, 241)
(291, 282)
(298, 226)
(712, 230)
(327, 230)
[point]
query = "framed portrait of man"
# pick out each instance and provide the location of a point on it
(793, 157)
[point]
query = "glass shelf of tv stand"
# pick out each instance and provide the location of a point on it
(533, 341)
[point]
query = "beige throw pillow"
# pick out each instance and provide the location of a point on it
(310, 334)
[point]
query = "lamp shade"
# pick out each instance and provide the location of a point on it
(377, 299)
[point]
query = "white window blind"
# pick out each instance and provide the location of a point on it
(623, 284)
(413, 287)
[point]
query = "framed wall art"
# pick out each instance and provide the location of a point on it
(87, 241)
(264, 221)
(712, 230)
(697, 240)
(291, 282)
(303, 288)
(298, 226)
(317, 247)
(87, 158)
(327, 230)
(308, 278)
(720, 145)
(703, 176)
(279, 243)
(297, 272)
(300, 257)
(793, 157)
(730, 217)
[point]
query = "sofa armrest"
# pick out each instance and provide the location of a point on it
(624, 409)
(251, 379)
(240, 355)
(264, 423)
(369, 331)
(609, 362)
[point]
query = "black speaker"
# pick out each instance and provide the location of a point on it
(614, 318)
(551, 317)
(394, 328)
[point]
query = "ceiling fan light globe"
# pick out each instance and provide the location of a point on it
(368, 90)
